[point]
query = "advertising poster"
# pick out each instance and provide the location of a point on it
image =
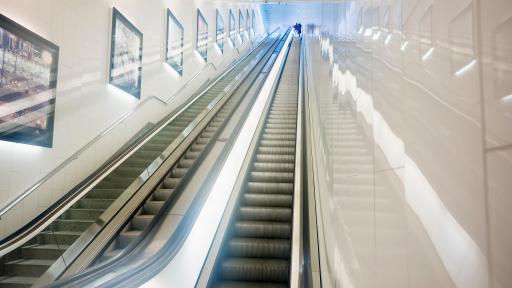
(28, 81)
(125, 55)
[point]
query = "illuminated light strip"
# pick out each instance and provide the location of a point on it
(466, 68)
(388, 39)
(185, 268)
(361, 30)
(428, 54)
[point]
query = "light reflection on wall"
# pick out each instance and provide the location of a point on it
(368, 68)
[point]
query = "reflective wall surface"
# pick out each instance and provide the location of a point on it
(413, 142)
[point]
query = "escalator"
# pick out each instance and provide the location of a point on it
(169, 186)
(256, 249)
(23, 266)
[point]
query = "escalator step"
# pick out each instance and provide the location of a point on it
(277, 150)
(269, 158)
(258, 248)
(162, 194)
(139, 222)
(78, 225)
(261, 229)
(43, 251)
(152, 207)
(277, 177)
(269, 200)
(280, 214)
(255, 269)
(28, 267)
(246, 284)
(273, 167)
(126, 237)
(171, 183)
(270, 188)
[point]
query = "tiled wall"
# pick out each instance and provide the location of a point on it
(86, 104)
(412, 104)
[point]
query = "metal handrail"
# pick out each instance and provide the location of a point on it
(84, 148)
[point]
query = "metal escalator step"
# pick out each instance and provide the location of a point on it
(203, 141)
(58, 237)
(274, 158)
(269, 200)
(247, 284)
(270, 188)
(83, 213)
(78, 225)
(277, 150)
(140, 222)
(273, 167)
(28, 267)
(255, 213)
(171, 183)
(279, 129)
(153, 147)
(279, 177)
(197, 147)
(17, 282)
(282, 121)
(162, 194)
(126, 237)
(186, 163)
(127, 171)
(152, 207)
(262, 229)
(259, 248)
(279, 137)
(277, 143)
(104, 193)
(191, 154)
(43, 251)
(93, 203)
(179, 172)
(255, 269)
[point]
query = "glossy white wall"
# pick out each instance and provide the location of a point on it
(413, 139)
(86, 104)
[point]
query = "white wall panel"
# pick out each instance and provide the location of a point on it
(408, 131)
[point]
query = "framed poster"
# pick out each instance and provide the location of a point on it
(125, 55)
(241, 25)
(219, 36)
(175, 40)
(202, 36)
(28, 81)
(232, 28)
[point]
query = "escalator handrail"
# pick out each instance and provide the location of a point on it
(102, 134)
(86, 277)
(11, 242)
